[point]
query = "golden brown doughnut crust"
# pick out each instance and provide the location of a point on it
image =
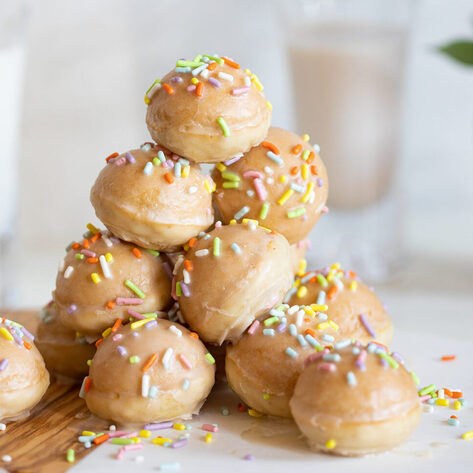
(64, 350)
(187, 123)
(89, 307)
(23, 375)
(346, 305)
(147, 209)
(306, 183)
(227, 292)
(178, 381)
(325, 405)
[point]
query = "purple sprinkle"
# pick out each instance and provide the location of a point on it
(281, 327)
(232, 160)
(397, 357)
(179, 443)
(240, 90)
(185, 289)
(15, 336)
(191, 88)
(3, 364)
(121, 350)
(135, 315)
(151, 324)
(367, 325)
(170, 163)
(114, 239)
(176, 79)
(168, 269)
(130, 158)
(27, 333)
(88, 253)
(320, 182)
(159, 426)
(71, 309)
(249, 457)
(384, 363)
(215, 82)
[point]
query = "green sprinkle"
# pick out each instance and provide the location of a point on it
(223, 125)
(392, 362)
(266, 396)
(217, 59)
(153, 252)
(270, 321)
(134, 359)
(305, 154)
(135, 289)
(224, 411)
(178, 289)
(80, 256)
(119, 441)
(231, 185)
(415, 378)
(150, 315)
(296, 212)
(71, 455)
(210, 358)
(217, 246)
(427, 390)
(198, 58)
(182, 63)
(230, 176)
(156, 161)
(321, 280)
(264, 211)
(157, 81)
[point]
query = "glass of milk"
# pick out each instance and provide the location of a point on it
(346, 60)
(13, 17)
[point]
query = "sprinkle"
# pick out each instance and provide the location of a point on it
(105, 267)
(207, 186)
(148, 169)
(453, 422)
(367, 325)
(241, 213)
(264, 211)
(253, 327)
(179, 443)
(224, 127)
(236, 248)
(134, 359)
(305, 137)
(178, 426)
(249, 457)
(210, 358)
(351, 378)
(210, 428)
(302, 291)
(468, 435)
(269, 332)
(204, 252)
(6, 334)
(330, 444)
(260, 189)
(185, 385)
(392, 362)
(145, 382)
(427, 390)
(70, 455)
(167, 358)
(168, 89)
(284, 198)
(216, 246)
(6, 458)
(225, 76)
(291, 352)
(448, 358)
(321, 280)
(308, 192)
(274, 157)
(240, 90)
(68, 272)
(150, 362)
(3, 365)
(169, 178)
(173, 466)
(296, 212)
(130, 285)
(442, 402)
(270, 321)
(327, 367)
(208, 438)
(128, 301)
(109, 257)
(158, 426)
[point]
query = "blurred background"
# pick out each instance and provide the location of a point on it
(392, 115)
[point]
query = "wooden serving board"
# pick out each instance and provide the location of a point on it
(39, 442)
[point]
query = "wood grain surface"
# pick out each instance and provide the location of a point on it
(39, 442)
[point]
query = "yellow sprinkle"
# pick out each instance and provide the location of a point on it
(95, 277)
(147, 100)
(302, 291)
(305, 137)
(284, 198)
(468, 435)
(297, 283)
(319, 307)
(6, 334)
(185, 171)
(108, 257)
(323, 326)
(457, 405)
(302, 267)
(208, 438)
(186, 247)
(247, 71)
(254, 413)
(179, 427)
(330, 276)
(160, 440)
(194, 80)
(256, 81)
(140, 323)
(309, 311)
(283, 178)
(269, 105)
(208, 187)
(353, 286)
(107, 332)
(442, 402)
(246, 221)
(92, 229)
(145, 433)
(136, 439)
(330, 443)
(305, 171)
(335, 266)
(266, 229)
(87, 433)
(306, 196)
(333, 325)
(221, 167)
(233, 221)
(89, 362)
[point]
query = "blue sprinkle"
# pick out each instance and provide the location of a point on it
(291, 352)
(327, 337)
(153, 391)
(269, 332)
(293, 330)
(185, 384)
(236, 248)
(183, 161)
(241, 213)
(332, 357)
(302, 340)
(148, 169)
(343, 344)
(276, 313)
(182, 69)
(161, 156)
(351, 378)
(321, 298)
(312, 341)
(275, 158)
(177, 169)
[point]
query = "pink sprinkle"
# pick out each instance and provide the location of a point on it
(88, 253)
(185, 362)
(240, 90)
(117, 337)
(120, 162)
(116, 433)
(259, 188)
(191, 88)
(132, 446)
(425, 398)
(253, 327)
(210, 428)
(130, 158)
(218, 224)
(360, 361)
(325, 209)
(315, 356)
(128, 301)
(173, 289)
(128, 435)
(327, 367)
(135, 315)
(250, 174)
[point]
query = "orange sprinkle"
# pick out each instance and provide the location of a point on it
(314, 170)
(92, 260)
(101, 439)
(231, 63)
(331, 293)
(98, 342)
(212, 66)
(456, 395)
(199, 90)
(313, 279)
(194, 335)
(75, 246)
(27, 345)
(169, 178)
(85, 243)
(150, 362)
(241, 407)
(188, 265)
(309, 331)
(380, 345)
(137, 252)
(448, 357)
(110, 304)
(168, 89)
(453, 417)
(352, 274)
(192, 242)
(447, 392)
(306, 319)
(116, 325)
(87, 384)
(294, 170)
(113, 155)
(272, 147)
(297, 149)
(311, 157)
(95, 237)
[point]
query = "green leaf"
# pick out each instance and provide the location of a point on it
(461, 51)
